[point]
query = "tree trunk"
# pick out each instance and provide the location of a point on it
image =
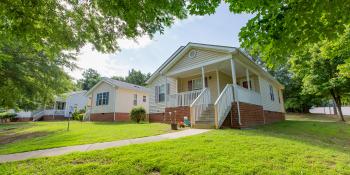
(337, 100)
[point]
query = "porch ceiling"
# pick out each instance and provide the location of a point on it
(224, 67)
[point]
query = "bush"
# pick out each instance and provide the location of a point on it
(137, 114)
(78, 114)
(6, 116)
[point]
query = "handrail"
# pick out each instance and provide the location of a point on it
(223, 105)
(38, 115)
(182, 98)
(200, 104)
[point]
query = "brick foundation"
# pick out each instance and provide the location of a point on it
(181, 112)
(271, 116)
(165, 117)
(109, 117)
(251, 115)
(26, 119)
(156, 117)
(52, 118)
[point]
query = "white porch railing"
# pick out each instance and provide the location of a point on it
(183, 98)
(247, 96)
(200, 104)
(38, 114)
(223, 105)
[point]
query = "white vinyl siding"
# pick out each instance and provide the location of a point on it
(158, 107)
(266, 96)
(202, 56)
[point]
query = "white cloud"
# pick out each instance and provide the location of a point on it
(192, 18)
(140, 42)
(105, 64)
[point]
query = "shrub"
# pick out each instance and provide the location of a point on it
(6, 116)
(78, 114)
(137, 114)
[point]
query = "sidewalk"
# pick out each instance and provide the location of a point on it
(97, 146)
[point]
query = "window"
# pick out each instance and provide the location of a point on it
(161, 93)
(60, 105)
(144, 98)
(279, 98)
(135, 99)
(102, 98)
(272, 96)
(196, 84)
(245, 84)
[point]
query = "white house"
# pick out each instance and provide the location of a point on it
(63, 106)
(112, 100)
(209, 84)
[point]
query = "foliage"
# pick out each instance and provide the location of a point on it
(6, 116)
(31, 136)
(282, 148)
(138, 114)
(29, 78)
(294, 99)
(78, 114)
(319, 68)
(39, 39)
(134, 77)
(90, 78)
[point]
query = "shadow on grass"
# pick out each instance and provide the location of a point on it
(114, 123)
(330, 135)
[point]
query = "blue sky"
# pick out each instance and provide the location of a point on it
(147, 54)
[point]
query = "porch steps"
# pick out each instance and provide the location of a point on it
(207, 119)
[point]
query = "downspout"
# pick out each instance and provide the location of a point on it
(115, 103)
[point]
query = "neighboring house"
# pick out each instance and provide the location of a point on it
(63, 106)
(329, 110)
(112, 100)
(214, 86)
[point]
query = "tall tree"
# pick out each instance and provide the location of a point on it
(134, 77)
(90, 78)
(50, 29)
(319, 67)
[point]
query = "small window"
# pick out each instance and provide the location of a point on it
(279, 98)
(272, 96)
(245, 84)
(144, 98)
(102, 98)
(135, 99)
(161, 93)
(196, 84)
(60, 105)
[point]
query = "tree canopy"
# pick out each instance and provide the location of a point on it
(90, 78)
(134, 77)
(39, 38)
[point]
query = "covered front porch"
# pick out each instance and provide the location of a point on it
(216, 76)
(210, 90)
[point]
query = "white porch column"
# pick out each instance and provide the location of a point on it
(233, 70)
(203, 78)
(248, 79)
(218, 81)
(166, 88)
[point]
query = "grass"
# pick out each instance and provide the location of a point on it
(300, 145)
(28, 136)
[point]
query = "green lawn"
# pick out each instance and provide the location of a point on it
(301, 145)
(28, 136)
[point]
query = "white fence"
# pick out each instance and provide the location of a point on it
(329, 110)
(183, 98)
(247, 96)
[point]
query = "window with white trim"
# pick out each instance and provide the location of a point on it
(161, 97)
(102, 98)
(272, 95)
(144, 98)
(135, 99)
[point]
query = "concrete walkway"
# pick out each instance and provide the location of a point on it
(97, 146)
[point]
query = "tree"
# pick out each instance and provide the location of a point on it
(282, 27)
(134, 77)
(90, 78)
(294, 99)
(39, 38)
(30, 78)
(319, 67)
